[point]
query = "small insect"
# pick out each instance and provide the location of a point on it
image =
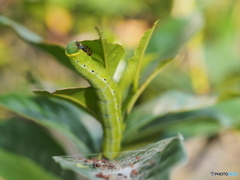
(121, 175)
(151, 162)
(131, 165)
(97, 165)
(100, 175)
(134, 173)
(87, 160)
(138, 157)
(104, 165)
(111, 166)
(85, 48)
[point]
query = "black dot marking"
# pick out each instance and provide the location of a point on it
(104, 79)
(113, 92)
(92, 71)
(77, 61)
(84, 65)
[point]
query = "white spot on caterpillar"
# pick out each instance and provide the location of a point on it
(92, 71)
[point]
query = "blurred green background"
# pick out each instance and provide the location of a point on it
(209, 63)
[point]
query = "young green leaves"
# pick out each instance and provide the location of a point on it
(136, 65)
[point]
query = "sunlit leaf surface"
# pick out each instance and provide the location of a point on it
(85, 98)
(170, 102)
(191, 123)
(55, 114)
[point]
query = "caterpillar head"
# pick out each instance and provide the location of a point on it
(72, 48)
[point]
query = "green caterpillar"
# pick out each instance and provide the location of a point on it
(109, 101)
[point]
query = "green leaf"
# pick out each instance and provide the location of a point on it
(127, 77)
(204, 127)
(106, 54)
(229, 94)
(170, 102)
(31, 140)
(230, 108)
(172, 35)
(199, 122)
(163, 46)
(56, 50)
(14, 167)
(154, 161)
(84, 98)
(136, 62)
(134, 96)
(165, 43)
(54, 114)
